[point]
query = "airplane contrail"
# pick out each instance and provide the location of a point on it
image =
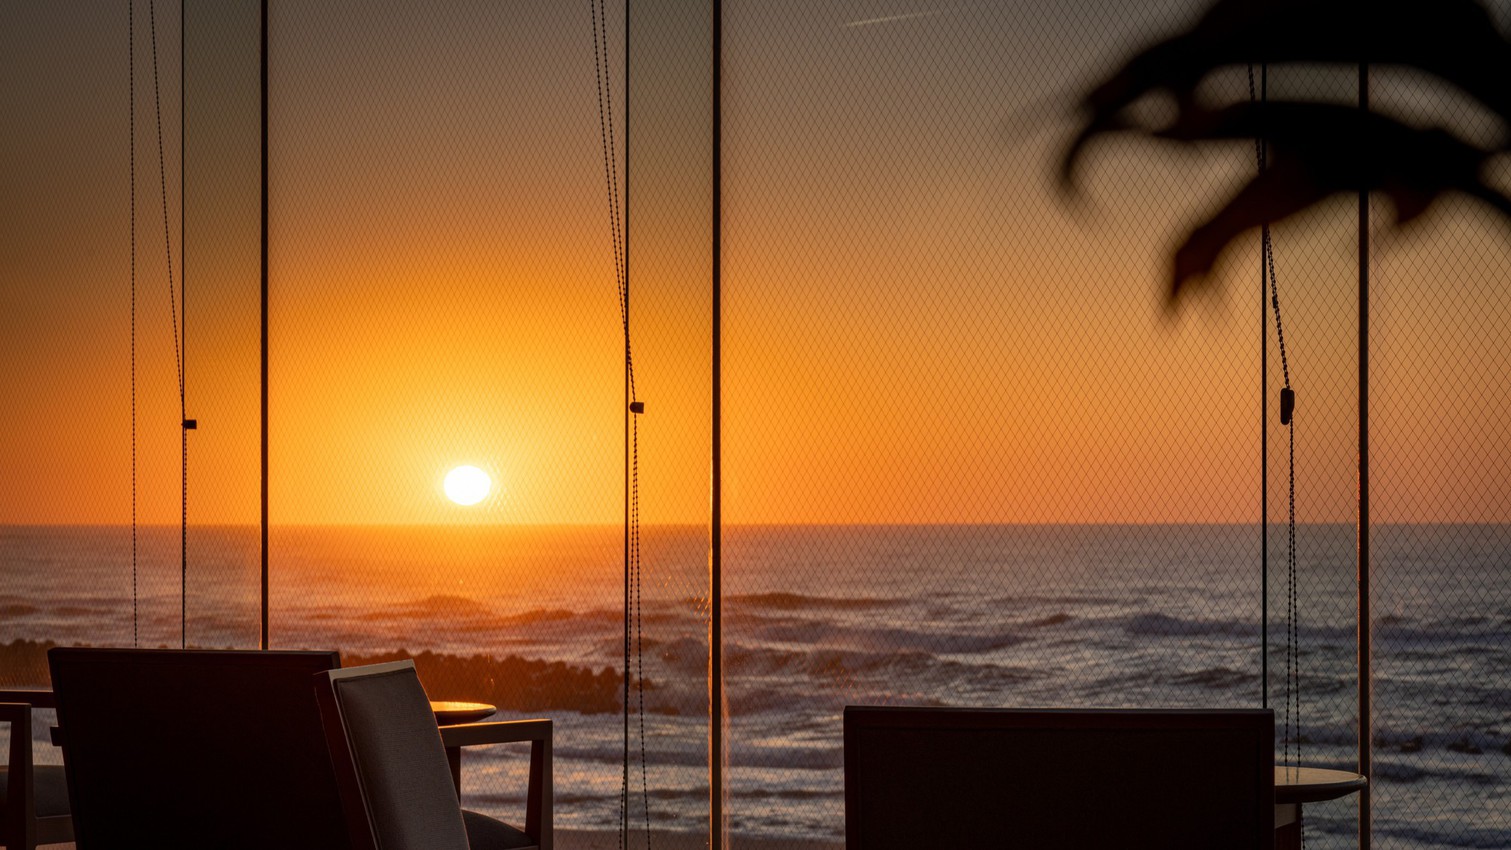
(894, 18)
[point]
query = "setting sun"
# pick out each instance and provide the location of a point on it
(467, 485)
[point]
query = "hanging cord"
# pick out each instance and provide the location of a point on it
(131, 99)
(612, 188)
(634, 621)
(1291, 729)
(638, 567)
(178, 358)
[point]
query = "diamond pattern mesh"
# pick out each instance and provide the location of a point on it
(970, 458)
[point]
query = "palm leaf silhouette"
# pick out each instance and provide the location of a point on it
(1320, 149)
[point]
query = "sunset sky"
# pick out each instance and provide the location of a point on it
(918, 326)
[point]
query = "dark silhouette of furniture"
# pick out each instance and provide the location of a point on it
(196, 748)
(1058, 779)
(33, 797)
(1295, 786)
(452, 713)
(392, 769)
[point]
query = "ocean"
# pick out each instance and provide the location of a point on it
(818, 617)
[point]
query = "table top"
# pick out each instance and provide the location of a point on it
(449, 713)
(1314, 784)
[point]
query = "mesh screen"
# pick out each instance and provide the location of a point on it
(970, 455)
(444, 296)
(971, 460)
(74, 458)
(1438, 405)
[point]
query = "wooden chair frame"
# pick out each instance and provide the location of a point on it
(538, 800)
(24, 830)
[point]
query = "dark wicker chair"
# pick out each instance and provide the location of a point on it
(33, 797)
(392, 769)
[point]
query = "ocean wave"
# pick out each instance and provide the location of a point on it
(610, 753)
(846, 665)
(742, 660)
(687, 655)
(539, 615)
(1462, 742)
(801, 602)
(441, 607)
(1158, 625)
(788, 758)
(785, 793)
(751, 699)
(1454, 630)
(1058, 600)
(883, 639)
(1463, 835)
(1217, 678)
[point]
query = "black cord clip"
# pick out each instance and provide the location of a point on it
(637, 407)
(1287, 405)
(191, 424)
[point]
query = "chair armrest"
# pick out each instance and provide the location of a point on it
(32, 697)
(12, 711)
(495, 732)
(540, 796)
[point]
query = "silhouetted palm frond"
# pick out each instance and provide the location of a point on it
(1320, 149)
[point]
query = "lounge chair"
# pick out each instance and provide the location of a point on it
(392, 771)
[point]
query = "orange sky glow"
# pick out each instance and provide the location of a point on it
(918, 326)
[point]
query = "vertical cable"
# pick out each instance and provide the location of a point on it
(263, 60)
(634, 413)
(716, 504)
(131, 101)
(173, 302)
(619, 233)
(1362, 616)
(629, 389)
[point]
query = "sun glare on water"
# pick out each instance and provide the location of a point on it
(467, 485)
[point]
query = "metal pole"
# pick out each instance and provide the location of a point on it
(1363, 519)
(1264, 436)
(628, 413)
(263, 56)
(716, 503)
(183, 295)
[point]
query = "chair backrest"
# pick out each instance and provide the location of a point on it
(953, 777)
(391, 767)
(196, 748)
